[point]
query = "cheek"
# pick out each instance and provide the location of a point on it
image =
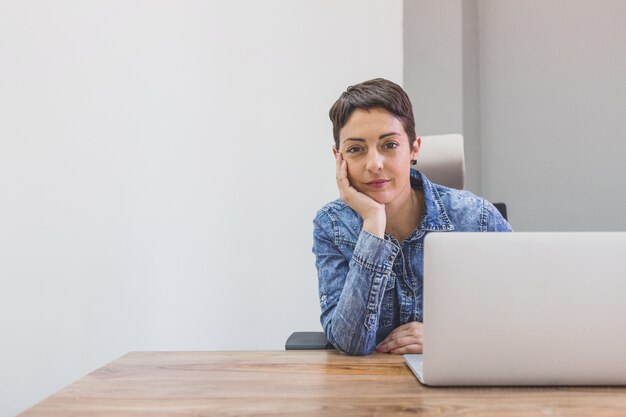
(353, 174)
(353, 167)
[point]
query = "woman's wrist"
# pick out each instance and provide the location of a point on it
(375, 224)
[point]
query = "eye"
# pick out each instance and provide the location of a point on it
(354, 149)
(391, 145)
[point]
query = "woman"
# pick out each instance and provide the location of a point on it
(369, 243)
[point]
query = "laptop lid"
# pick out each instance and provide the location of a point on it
(525, 308)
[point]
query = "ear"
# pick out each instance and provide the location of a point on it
(335, 152)
(415, 149)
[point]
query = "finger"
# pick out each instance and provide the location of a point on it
(407, 331)
(342, 180)
(416, 348)
(338, 159)
(413, 327)
(403, 335)
(395, 331)
(409, 325)
(400, 342)
(403, 330)
(340, 183)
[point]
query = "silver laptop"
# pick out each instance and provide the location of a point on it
(523, 309)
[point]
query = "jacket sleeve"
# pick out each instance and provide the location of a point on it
(494, 220)
(351, 289)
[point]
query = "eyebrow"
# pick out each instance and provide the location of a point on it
(383, 136)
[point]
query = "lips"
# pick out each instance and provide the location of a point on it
(377, 184)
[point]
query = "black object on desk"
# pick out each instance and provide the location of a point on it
(307, 341)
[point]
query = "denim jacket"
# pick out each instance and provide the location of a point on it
(368, 286)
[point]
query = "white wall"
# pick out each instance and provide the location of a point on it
(160, 165)
(441, 73)
(551, 90)
(554, 111)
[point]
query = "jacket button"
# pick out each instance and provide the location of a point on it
(390, 258)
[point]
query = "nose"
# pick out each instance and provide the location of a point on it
(374, 161)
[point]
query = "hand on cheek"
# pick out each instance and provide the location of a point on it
(372, 212)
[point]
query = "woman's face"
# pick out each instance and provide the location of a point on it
(377, 151)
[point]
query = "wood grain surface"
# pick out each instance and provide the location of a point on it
(302, 383)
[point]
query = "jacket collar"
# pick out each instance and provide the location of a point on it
(436, 217)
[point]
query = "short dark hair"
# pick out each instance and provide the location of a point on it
(376, 93)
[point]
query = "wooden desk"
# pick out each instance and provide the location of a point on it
(303, 383)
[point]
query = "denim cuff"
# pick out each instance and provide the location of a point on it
(375, 253)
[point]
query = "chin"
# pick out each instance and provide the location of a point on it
(382, 198)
